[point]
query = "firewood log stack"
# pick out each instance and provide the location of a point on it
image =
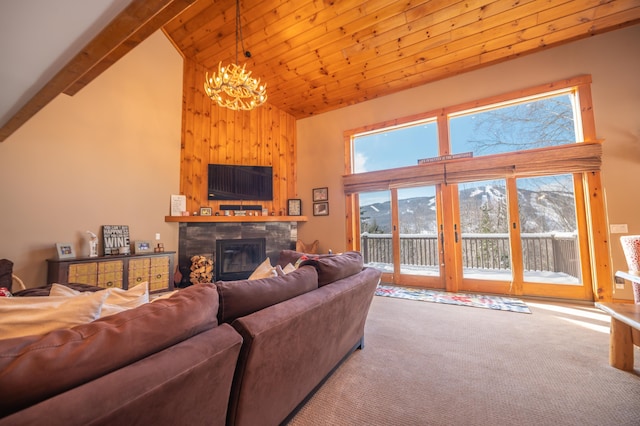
(201, 269)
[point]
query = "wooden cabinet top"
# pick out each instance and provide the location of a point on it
(110, 257)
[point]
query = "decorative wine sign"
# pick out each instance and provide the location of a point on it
(114, 237)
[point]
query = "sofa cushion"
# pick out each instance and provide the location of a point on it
(330, 267)
(240, 298)
(35, 368)
(337, 267)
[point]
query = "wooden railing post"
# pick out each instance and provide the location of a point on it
(365, 247)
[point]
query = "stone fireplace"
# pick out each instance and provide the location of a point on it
(237, 259)
(200, 238)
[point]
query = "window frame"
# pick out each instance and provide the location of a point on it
(582, 157)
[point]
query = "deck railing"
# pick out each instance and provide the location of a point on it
(555, 252)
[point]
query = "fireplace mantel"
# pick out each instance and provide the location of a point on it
(234, 219)
(198, 235)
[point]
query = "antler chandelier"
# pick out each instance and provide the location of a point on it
(232, 86)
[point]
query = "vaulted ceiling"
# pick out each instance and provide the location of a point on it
(320, 55)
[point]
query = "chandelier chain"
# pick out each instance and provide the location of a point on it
(232, 86)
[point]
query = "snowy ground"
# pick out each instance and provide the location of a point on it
(544, 277)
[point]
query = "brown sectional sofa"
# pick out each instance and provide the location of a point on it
(235, 353)
(130, 368)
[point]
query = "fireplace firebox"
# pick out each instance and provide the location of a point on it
(236, 259)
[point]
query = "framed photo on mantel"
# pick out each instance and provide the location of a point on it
(294, 207)
(206, 211)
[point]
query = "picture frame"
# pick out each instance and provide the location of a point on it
(321, 209)
(142, 246)
(178, 205)
(65, 251)
(206, 211)
(320, 194)
(114, 237)
(294, 207)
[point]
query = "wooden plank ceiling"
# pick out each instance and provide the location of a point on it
(320, 55)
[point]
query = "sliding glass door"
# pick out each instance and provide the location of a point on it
(484, 233)
(521, 236)
(420, 250)
(399, 234)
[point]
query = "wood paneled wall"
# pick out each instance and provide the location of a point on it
(265, 136)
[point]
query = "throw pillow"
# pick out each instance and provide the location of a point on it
(117, 300)
(264, 270)
(335, 267)
(25, 316)
(45, 290)
(311, 248)
(284, 271)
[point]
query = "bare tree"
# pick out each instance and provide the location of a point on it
(540, 123)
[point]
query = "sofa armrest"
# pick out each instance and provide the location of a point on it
(289, 348)
(188, 383)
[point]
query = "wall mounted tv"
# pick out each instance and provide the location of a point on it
(233, 182)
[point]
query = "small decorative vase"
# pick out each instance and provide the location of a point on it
(631, 248)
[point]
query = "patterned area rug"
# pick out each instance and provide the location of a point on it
(464, 299)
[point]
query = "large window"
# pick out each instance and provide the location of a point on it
(550, 119)
(545, 121)
(510, 171)
(391, 148)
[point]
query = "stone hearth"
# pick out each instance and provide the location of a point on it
(200, 239)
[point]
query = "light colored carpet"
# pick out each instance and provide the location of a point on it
(437, 364)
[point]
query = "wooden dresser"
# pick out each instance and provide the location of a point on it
(121, 271)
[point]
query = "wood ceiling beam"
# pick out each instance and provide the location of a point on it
(136, 22)
(169, 12)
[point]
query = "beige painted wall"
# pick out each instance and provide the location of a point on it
(613, 60)
(110, 155)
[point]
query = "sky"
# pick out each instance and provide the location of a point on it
(404, 146)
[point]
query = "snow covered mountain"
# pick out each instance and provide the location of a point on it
(482, 210)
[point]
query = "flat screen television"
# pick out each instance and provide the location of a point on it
(233, 182)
